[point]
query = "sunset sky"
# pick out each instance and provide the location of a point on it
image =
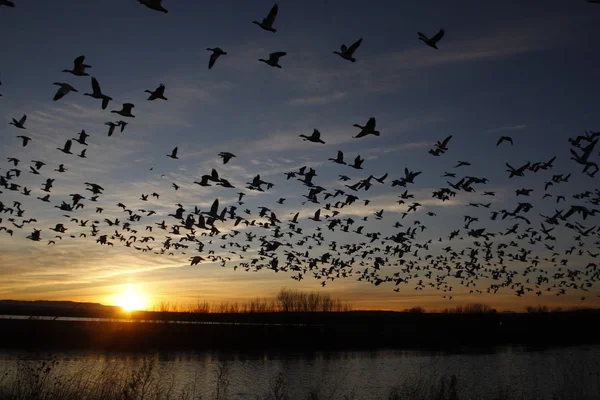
(509, 68)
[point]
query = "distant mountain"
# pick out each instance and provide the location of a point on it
(47, 307)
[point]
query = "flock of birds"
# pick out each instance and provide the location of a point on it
(487, 261)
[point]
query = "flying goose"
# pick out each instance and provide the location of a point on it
(111, 128)
(347, 52)
(159, 93)
(7, 3)
(78, 67)
(226, 156)
(154, 5)
(64, 89)
(339, 159)
(315, 137)
(20, 123)
(267, 22)
(368, 129)
(25, 139)
(97, 93)
(82, 137)
(67, 148)
(173, 154)
(433, 41)
(125, 111)
(216, 53)
(273, 60)
(504, 139)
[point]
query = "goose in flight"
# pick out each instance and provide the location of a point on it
(433, 41)
(368, 129)
(13, 160)
(315, 137)
(25, 139)
(159, 93)
(67, 147)
(61, 168)
(347, 53)
(504, 139)
(111, 128)
(155, 5)
(273, 60)
(358, 162)
(97, 93)
(216, 53)
(173, 154)
(78, 67)
(7, 3)
(339, 159)
(267, 22)
(20, 123)
(125, 111)
(226, 156)
(82, 137)
(63, 90)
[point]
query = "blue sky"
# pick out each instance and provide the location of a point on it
(509, 68)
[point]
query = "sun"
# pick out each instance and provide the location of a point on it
(130, 299)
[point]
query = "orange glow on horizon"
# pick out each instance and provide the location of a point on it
(130, 299)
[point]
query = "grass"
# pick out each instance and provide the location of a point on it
(42, 380)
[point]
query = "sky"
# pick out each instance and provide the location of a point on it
(507, 68)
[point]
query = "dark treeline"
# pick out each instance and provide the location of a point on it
(360, 330)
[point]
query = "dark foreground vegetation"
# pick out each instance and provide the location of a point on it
(44, 380)
(359, 330)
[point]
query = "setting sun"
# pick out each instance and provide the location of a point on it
(130, 300)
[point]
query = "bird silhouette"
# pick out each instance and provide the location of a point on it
(216, 53)
(155, 5)
(173, 154)
(273, 60)
(267, 22)
(434, 40)
(97, 93)
(78, 67)
(20, 123)
(347, 53)
(315, 137)
(159, 93)
(125, 111)
(368, 129)
(63, 90)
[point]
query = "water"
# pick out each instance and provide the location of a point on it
(366, 375)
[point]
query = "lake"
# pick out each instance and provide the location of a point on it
(571, 372)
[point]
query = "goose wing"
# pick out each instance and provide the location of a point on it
(78, 63)
(271, 17)
(277, 55)
(353, 48)
(370, 124)
(96, 87)
(213, 59)
(438, 36)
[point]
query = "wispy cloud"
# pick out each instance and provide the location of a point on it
(317, 100)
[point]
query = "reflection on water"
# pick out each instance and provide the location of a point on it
(368, 375)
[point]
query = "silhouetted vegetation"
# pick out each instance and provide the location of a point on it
(287, 300)
(45, 380)
(474, 308)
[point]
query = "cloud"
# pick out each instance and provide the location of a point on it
(317, 100)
